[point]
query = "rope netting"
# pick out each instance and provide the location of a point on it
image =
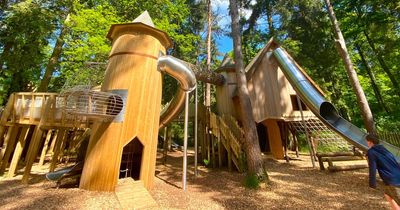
(319, 134)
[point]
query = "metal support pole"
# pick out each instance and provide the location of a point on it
(185, 140)
(195, 133)
(306, 130)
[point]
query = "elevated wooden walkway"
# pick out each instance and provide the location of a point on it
(132, 194)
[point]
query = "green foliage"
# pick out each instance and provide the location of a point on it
(29, 29)
(251, 181)
(87, 43)
(206, 162)
(24, 33)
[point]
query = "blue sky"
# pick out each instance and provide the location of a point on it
(220, 7)
(224, 43)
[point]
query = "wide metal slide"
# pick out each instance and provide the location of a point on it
(322, 108)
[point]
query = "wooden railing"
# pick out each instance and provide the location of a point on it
(227, 130)
(37, 109)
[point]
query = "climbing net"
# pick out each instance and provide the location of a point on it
(321, 137)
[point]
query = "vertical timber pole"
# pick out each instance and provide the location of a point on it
(312, 155)
(185, 140)
(195, 133)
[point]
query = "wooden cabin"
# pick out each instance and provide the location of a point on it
(273, 99)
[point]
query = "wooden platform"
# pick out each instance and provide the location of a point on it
(132, 194)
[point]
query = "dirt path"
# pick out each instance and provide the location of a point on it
(295, 185)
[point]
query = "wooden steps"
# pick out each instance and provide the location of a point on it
(132, 194)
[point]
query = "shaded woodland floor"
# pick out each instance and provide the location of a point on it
(295, 185)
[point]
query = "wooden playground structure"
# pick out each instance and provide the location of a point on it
(121, 121)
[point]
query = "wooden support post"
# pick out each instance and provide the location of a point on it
(59, 140)
(284, 137)
(3, 146)
(321, 164)
(10, 145)
(45, 147)
(167, 135)
(229, 151)
(220, 152)
(53, 143)
(214, 161)
(77, 134)
(203, 141)
(32, 153)
(18, 151)
(296, 143)
(275, 140)
(208, 143)
(4, 116)
(61, 153)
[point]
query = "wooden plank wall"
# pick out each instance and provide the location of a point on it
(132, 67)
(225, 93)
(270, 92)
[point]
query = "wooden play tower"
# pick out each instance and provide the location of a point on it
(128, 144)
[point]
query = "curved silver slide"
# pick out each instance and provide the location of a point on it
(187, 81)
(321, 107)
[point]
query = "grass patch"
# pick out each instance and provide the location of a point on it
(251, 181)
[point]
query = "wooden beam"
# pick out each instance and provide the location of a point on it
(45, 147)
(32, 153)
(205, 75)
(5, 115)
(59, 140)
(347, 167)
(10, 144)
(18, 151)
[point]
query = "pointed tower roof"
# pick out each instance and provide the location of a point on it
(143, 23)
(145, 19)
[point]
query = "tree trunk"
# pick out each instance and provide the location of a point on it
(53, 61)
(269, 18)
(251, 146)
(342, 49)
(208, 86)
(371, 75)
(382, 63)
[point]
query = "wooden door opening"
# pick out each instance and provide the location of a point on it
(131, 160)
(263, 138)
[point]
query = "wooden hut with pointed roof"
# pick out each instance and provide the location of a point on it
(273, 99)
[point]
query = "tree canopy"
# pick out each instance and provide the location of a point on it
(31, 30)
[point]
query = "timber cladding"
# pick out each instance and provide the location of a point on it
(269, 91)
(225, 93)
(132, 66)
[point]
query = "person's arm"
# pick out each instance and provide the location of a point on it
(372, 169)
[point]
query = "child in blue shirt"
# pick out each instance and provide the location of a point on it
(379, 158)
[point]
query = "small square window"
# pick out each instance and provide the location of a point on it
(295, 105)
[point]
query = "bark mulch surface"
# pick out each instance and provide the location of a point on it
(294, 185)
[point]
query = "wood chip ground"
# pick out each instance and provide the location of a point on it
(294, 185)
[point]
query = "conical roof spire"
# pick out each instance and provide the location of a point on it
(145, 19)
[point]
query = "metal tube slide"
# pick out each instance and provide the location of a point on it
(187, 81)
(321, 107)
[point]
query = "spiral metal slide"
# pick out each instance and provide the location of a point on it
(187, 82)
(323, 109)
